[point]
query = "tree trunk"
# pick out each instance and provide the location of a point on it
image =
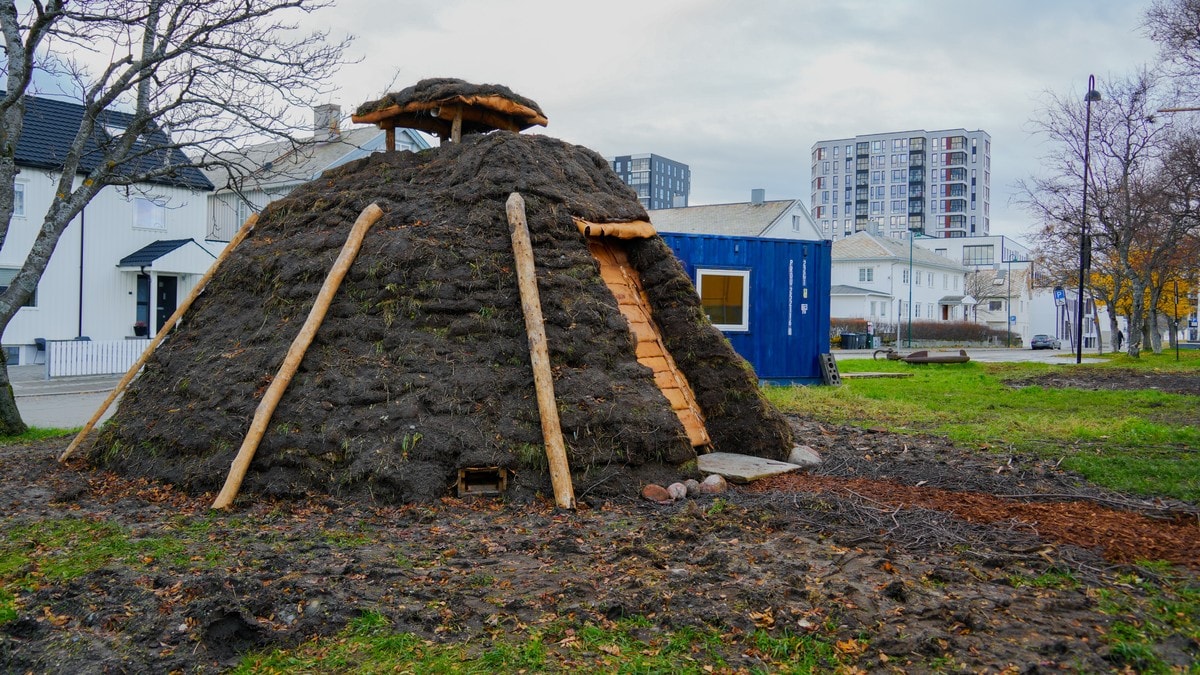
(11, 423)
(1113, 329)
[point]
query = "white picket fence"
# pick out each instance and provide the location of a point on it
(92, 357)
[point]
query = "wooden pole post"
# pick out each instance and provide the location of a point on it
(159, 337)
(295, 354)
(539, 355)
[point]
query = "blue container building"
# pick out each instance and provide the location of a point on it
(770, 297)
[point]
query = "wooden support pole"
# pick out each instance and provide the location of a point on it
(159, 337)
(456, 126)
(539, 355)
(390, 139)
(295, 354)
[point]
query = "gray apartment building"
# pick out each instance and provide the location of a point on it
(935, 182)
(660, 183)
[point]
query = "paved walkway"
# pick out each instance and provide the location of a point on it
(63, 402)
(984, 354)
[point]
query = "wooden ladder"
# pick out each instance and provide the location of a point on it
(626, 287)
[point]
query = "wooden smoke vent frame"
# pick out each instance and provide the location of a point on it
(447, 117)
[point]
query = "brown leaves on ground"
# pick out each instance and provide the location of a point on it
(1123, 536)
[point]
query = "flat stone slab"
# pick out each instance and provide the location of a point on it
(741, 468)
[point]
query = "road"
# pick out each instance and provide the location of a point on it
(986, 355)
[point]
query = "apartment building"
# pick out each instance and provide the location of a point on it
(935, 182)
(660, 183)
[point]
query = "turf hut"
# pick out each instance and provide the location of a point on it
(421, 369)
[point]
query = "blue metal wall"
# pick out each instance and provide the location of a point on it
(789, 299)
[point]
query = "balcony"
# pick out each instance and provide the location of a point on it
(860, 195)
(915, 176)
(955, 159)
(916, 144)
(862, 149)
(862, 179)
(862, 164)
(916, 159)
(954, 206)
(916, 191)
(956, 143)
(860, 210)
(954, 190)
(916, 207)
(916, 222)
(954, 175)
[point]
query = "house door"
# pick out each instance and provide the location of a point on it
(945, 312)
(166, 300)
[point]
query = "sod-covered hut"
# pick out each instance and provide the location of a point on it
(422, 365)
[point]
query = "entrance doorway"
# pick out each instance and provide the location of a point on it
(166, 300)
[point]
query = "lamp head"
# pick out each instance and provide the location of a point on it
(1092, 96)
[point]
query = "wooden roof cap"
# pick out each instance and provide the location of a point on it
(432, 105)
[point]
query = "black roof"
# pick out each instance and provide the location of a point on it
(50, 127)
(147, 254)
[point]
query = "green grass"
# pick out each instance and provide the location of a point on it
(33, 434)
(1135, 441)
(631, 645)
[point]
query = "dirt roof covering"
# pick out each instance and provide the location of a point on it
(430, 104)
(422, 365)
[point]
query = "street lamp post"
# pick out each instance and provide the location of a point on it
(910, 286)
(1085, 243)
(912, 234)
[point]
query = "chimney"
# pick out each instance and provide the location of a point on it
(758, 196)
(325, 122)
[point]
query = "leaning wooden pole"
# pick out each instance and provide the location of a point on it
(295, 354)
(159, 337)
(535, 328)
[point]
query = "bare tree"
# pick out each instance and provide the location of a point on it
(1127, 145)
(188, 77)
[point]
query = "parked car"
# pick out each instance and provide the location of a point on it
(1044, 342)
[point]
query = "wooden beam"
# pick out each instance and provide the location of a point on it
(539, 354)
(295, 354)
(391, 138)
(633, 229)
(456, 125)
(160, 336)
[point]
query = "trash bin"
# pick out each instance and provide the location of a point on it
(850, 341)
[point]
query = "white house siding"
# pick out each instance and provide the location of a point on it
(108, 295)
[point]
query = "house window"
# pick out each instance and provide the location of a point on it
(905, 275)
(7, 274)
(18, 200)
(866, 274)
(916, 310)
(995, 305)
(725, 296)
(917, 278)
(149, 215)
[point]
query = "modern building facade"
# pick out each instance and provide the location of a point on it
(660, 183)
(935, 182)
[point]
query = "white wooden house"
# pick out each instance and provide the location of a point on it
(775, 219)
(130, 256)
(260, 174)
(876, 278)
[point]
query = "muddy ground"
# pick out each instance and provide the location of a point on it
(901, 554)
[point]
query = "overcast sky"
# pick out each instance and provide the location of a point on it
(741, 91)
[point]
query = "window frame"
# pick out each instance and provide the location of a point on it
(744, 274)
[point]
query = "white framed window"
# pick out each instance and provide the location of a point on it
(917, 278)
(7, 274)
(866, 274)
(905, 277)
(725, 297)
(18, 199)
(149, 214)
